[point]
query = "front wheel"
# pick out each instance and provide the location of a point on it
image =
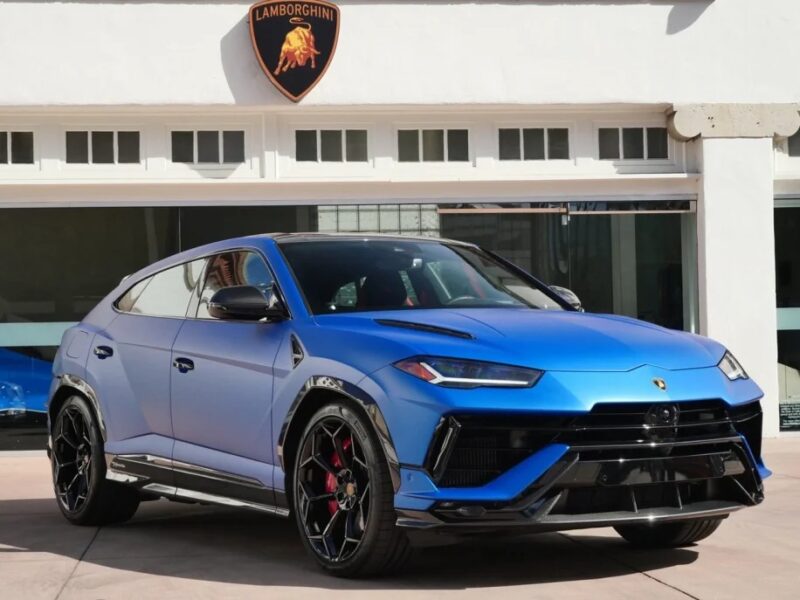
(669, 535)
(77, 458)
(343, 498)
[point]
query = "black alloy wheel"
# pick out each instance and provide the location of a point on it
(72, 459)
(333, 490)
(343, 497)
(77, 458)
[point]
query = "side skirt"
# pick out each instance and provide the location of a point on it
(183, 481)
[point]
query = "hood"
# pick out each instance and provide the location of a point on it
(547, 340)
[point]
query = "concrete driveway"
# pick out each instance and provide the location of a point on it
(172, 550)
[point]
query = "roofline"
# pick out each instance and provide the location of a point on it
(344, 236)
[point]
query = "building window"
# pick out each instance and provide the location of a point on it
(633, 143)
(330, 145)
(534, 144)
(102, 147)
(16, 147)
(433, 145)
(794, 145)
(208, 147)
(406, 219)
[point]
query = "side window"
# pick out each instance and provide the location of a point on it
(165, 294)
(230, 269)
(126, 302)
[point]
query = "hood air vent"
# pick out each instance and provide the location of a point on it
(297, 352)
(425, 327)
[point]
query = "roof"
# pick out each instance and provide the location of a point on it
(283, 238)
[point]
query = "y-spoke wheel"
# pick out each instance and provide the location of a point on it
(333, 489)
(84, 495)
(72, 459)
(343, 497)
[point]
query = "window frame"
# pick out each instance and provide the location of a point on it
(220, 147)
(11, 168)
(546, 127)
(671, 158)
(288, 168)
(194, 305)
(149, 278)
(115, 131)
(318, 134)
(201, 282)
(445, 128)
(114, 170)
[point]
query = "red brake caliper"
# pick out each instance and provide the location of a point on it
(330, 479)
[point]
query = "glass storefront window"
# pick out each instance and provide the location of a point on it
(787, 283)
(58, 263)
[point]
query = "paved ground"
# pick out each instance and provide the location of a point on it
(177, 551)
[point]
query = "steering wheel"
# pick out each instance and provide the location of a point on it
(459, 299)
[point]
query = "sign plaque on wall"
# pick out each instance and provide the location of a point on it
(294, 42)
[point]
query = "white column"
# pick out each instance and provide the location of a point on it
(736, 258)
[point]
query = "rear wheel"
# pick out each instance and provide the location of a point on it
(343, 498)
(84, 495)
(669, 535)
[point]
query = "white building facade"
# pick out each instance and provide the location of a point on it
(644, 155)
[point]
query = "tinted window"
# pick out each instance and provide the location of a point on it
(166, 294)
(230, 269)
(360, 275)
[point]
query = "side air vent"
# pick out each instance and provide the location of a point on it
(297, 352)
(425, 327)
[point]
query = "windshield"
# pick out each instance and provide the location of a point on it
(364, 275)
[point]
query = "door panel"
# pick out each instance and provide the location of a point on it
(132, 383)
(130, 360)
(224, 402)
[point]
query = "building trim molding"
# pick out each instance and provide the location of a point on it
(689, 121)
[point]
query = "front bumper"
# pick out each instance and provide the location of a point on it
(612, 470)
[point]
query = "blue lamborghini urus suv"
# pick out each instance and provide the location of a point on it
(370, 387)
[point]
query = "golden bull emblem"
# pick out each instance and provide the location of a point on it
(298, 47)
(294, 42)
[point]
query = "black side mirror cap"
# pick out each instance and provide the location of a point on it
(246, 303)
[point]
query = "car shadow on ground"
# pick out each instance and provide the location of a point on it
(238, 547)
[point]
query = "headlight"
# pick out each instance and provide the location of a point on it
(731, 367)
(454, 372)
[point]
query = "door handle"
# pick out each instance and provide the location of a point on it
(103, 352)
(184, 365)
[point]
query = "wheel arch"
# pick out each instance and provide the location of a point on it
(315, 393)
(70, 385)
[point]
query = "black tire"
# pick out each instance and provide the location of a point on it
(669, 535)
(77, 458)
(361, 503)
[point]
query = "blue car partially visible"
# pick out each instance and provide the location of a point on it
(373, 387)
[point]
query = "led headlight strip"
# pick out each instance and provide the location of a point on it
(452, 372)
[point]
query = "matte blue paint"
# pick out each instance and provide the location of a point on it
(227, 414)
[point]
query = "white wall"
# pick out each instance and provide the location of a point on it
(545, 52)
(736, 255)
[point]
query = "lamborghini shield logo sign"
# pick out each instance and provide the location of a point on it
(294, 42)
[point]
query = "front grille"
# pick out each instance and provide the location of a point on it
(472, 450)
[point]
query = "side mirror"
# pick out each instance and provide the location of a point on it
(247, 303)
(568, 296)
